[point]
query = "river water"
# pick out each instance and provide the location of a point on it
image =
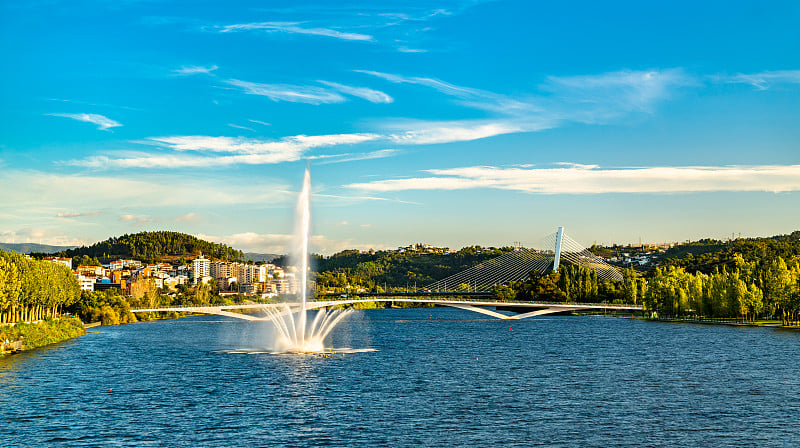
(438, 377)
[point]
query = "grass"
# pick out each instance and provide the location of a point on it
(39, 334)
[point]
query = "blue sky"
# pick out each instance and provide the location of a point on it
(451, 123)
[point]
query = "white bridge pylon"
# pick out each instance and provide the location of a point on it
(567, 249)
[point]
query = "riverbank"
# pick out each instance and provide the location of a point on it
(45, 332)
(727, 322)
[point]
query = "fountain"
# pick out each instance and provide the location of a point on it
(293, 334)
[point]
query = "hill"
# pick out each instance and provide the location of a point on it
(26, 248)
(154, 247)
(707, 255)
(266, 258)
(415, 267)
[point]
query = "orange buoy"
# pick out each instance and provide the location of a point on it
(109, 390)
(510, 329)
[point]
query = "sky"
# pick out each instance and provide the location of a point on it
(448, 122)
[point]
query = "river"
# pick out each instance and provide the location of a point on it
(437, 377)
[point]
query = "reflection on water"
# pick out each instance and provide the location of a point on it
(416, 377)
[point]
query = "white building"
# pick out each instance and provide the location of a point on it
(201, 267)
(87, 283)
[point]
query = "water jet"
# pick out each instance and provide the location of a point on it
(294, 333)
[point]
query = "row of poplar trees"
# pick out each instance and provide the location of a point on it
(767, 288)
(31, 290)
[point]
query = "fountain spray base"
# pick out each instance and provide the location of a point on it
(327, 353)
(293, 336)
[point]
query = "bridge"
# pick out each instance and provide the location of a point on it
(469, 290)
(523, 309)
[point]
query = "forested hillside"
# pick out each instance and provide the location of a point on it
(351, 267)
(153, 246)
(708, 255)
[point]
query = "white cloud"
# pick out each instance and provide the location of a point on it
(76, 215)
(103, 123)
(260, 122)
(373, 96)
(476, 98)
(404, 49)
(195, 70)
(37, 191)
(137, 220)
(379, 154)
(284, 92)
(432, 132)
(586, 99)
(295, 28)
(609, 94)
(238, 150)
(763, 80)
(40, 236)
(277, 243)
(441, 86)
(241, 127)
(189, 217)
(590, 179)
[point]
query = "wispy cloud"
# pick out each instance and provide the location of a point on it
(373, 96)
(103, 123)
(362, 198)
(595, 99)
(294, 28)
(480, 99)
(589, 179)
(615, 92)
(404, 49)
(278, 243)
(76, 214)
(189, 217)
(37, 191)
(379, 154)
(241, 127)
(285, 92)
(40, 236)
(195, 70)
(420, 132)
(223, 151)
(263, 123)
(762, 80)
(137, 220)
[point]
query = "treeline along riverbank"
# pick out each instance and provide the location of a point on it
(32, 290)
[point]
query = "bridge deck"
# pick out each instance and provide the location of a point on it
(530, 308)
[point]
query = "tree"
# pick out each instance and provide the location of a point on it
(503, 293)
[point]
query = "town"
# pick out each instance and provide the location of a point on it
(232, 278)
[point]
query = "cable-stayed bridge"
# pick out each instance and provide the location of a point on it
(557, 248)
